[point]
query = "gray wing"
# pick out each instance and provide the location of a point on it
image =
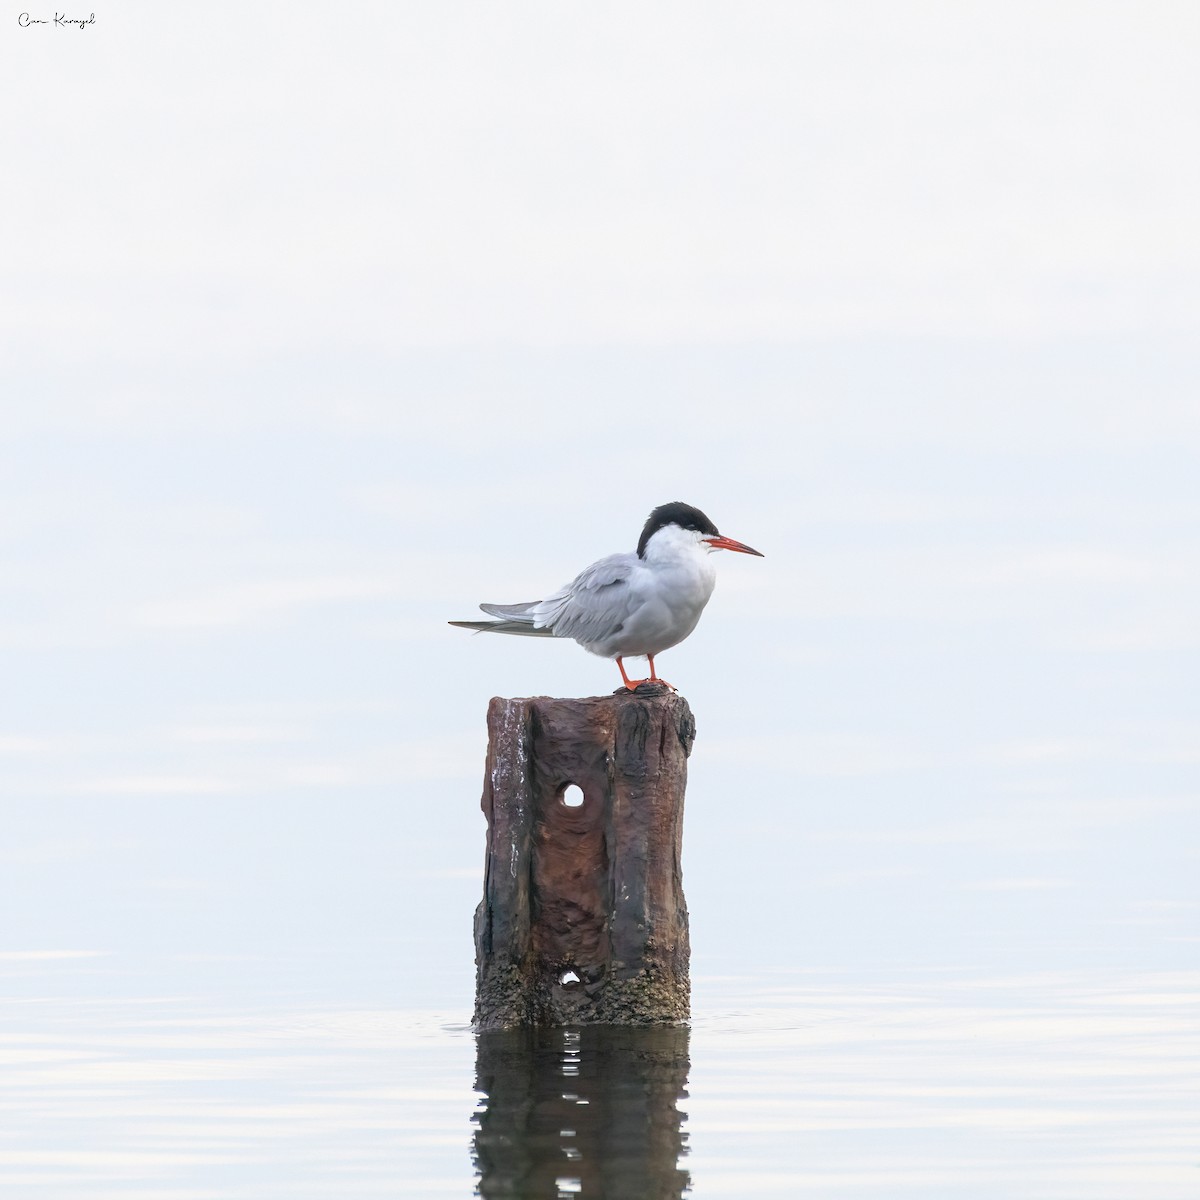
(594, 605)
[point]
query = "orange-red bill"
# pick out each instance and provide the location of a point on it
(725, 543)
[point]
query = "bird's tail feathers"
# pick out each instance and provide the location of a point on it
(512, 612)
(510, 618)
(523, 628)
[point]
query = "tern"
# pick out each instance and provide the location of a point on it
(633, 605)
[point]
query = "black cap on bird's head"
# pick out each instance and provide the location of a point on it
(687, 517)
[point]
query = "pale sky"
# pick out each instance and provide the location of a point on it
(320, 327)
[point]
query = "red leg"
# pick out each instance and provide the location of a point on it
(654, 678)
(629, 683)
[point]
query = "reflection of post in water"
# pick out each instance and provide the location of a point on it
(586, 1112)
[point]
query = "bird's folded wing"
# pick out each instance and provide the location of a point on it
(595, 604)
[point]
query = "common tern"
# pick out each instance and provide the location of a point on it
(629, 605)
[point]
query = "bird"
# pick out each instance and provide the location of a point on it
(632, 605)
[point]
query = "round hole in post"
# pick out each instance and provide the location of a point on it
(572, 795)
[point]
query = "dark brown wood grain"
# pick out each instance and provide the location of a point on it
(594, 891)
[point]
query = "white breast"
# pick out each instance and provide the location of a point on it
(668, 590)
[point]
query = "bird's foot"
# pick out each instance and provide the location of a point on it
(632, 685)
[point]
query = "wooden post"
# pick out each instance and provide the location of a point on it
(583, 919)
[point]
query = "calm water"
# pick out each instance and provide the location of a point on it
(923, 1084)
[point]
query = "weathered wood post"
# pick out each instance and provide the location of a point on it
(583, 919)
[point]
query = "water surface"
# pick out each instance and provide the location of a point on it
(921, 1084)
